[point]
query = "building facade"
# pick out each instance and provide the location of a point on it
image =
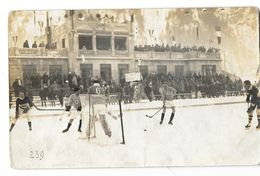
(104, 49)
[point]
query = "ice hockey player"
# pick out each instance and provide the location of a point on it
(168, 93)
(98, 103)
(74, 100)
(23, 106)
(253, 97)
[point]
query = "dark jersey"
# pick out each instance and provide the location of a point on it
(97, 94)
(75, 101)
(96, 89)
(22, 106)
(252, 94)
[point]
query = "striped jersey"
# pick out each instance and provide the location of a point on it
(167, 92)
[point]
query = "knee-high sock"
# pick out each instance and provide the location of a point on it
(171, 118)
(12, 126)
(30, 125)
(80, 123)
(162, 117)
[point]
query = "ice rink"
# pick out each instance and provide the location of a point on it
(200, 136)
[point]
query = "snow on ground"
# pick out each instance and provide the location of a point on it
(201, 135)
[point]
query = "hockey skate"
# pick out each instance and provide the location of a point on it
(248, 126)
(258, 126)
(66, 130)
(170, 123)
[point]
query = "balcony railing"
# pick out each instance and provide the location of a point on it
(176, 55)
(38, 52)
(121, 52)
(87, 53)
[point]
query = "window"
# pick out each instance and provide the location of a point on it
(208, 69)
(55, 74)
(85, 41)
(29, 71)
(179, 70)
(105, 72)
(120, 43)
(162, 69)
(63, 43)
(103, 42)
(144, 70)
(122, 70)
(86, 72)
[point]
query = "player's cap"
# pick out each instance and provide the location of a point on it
(76, 89)
(247, 82)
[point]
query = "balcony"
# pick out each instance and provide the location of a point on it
(176, 55)
(86, 53)
(108, 53)
(121, 52)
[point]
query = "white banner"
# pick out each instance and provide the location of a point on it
(130, 77)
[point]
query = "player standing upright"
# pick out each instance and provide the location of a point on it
(253, 97)
(168, 93)
(98, 103)
(23, 106)
(74, 100)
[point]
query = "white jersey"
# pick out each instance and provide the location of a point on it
(167, 92)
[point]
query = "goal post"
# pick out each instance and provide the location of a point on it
(102, 120)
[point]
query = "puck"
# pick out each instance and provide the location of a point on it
(144, 129)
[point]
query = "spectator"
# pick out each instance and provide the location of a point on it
(45, 79)
(148, 92)
(42, 44)
(26, 44)
(43, 95)
(52, 96)
(34, 45)
(17, 86)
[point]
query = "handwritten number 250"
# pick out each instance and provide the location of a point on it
(37, 155)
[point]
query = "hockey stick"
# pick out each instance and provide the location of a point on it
(45, 109)
(154, 113)
(121, 117)
(89, 116)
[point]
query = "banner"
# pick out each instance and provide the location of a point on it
(130, 77)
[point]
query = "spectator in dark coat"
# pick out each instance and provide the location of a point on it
(148, 92)
(26, 44)
(60, 95)
(43, 94)
(17, 85)
(34, 45)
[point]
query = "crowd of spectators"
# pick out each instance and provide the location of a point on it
(175, 48)
(55, 87)
(48, 45)
(213, 85)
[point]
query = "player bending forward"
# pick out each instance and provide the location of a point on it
(74, 100)
(253, 97)
(98, 103)
(168, 93)
(23, 106)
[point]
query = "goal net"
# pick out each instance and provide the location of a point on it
(101, 119)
